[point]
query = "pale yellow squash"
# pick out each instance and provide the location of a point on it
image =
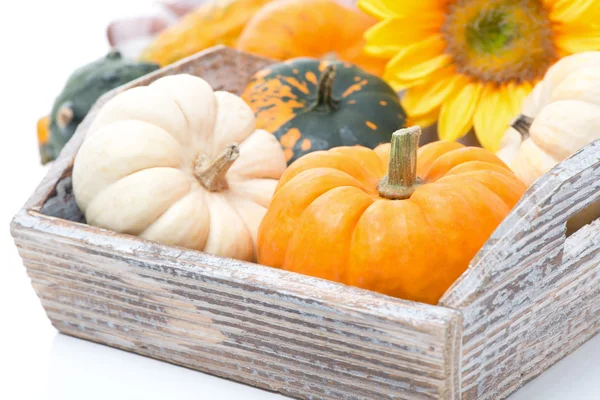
(559, 117)
(180, 164)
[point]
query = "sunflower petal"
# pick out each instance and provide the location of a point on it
(389, 37)
(424, 120)
(418, 60)
(383, 9)
(497, 107)
(581, 11)
(456, 115)
(422, 99)
(401, 84)
(572, 38)
(518, 93)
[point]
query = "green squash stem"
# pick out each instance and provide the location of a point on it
(114, 54)
(325, 97)
(522, 124)
(402, 180)
(211, 174)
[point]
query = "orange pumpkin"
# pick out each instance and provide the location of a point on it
(212, 23)
(323, 29)
(337, 215)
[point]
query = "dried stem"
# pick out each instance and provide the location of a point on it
(212, 174)
(325, 97)
(522, 124)
(401, 180)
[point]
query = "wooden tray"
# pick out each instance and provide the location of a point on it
(530, 296)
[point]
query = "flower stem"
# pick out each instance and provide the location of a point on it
(522, 124)
(211, 175)
(401, 180)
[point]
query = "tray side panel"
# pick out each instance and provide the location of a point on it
(532, 295)
(285, 332)
(528, 331)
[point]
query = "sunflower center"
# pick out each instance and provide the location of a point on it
(492, 33)
(499, 40)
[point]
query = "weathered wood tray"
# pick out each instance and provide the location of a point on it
(530, 297)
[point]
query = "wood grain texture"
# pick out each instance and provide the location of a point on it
(531, 296)
(274, 329)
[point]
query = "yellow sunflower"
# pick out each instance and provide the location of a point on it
(470, 63)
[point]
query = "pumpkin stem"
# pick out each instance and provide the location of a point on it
(402, 180)
(113, 54)
(522, 124)
(330, 56)
(212, 174)
(325, 92)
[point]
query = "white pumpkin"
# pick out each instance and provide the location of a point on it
(560, 116)
(180, 164)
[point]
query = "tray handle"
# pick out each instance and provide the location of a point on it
(534, 234)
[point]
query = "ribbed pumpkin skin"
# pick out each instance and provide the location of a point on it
(213, 23)
(283, 97)
(287, 29)
(327, 219)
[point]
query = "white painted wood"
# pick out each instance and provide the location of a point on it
(299, 335)
(531, 296)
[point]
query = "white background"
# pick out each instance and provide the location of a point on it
(41, 42)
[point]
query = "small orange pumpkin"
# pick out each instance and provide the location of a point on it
(322, 29)
(336, 216)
